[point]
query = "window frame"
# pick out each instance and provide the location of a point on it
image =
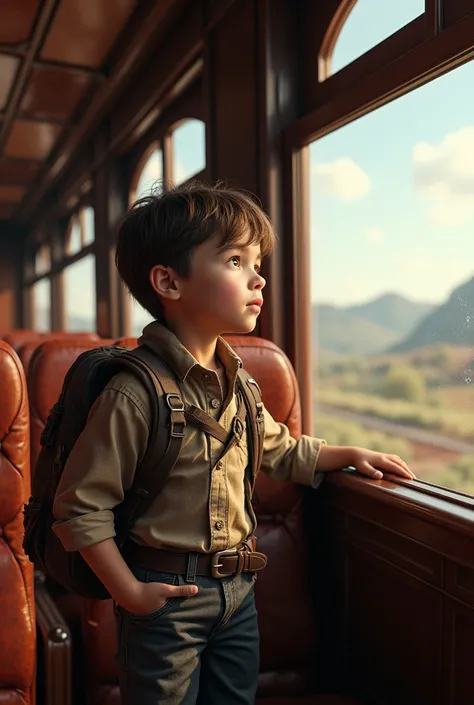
(445, 49)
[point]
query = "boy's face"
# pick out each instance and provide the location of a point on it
(224, 290)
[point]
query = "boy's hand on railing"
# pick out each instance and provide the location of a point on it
(367, 462)
(374, 464)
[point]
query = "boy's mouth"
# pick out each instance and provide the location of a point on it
(256, 302)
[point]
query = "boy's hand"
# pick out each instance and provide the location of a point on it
(147, 598)
(367, 462)
(373, 464)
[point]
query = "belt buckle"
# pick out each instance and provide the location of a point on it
(215, 564)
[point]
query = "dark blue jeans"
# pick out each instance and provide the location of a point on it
(200, 650)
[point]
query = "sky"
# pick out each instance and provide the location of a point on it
(392, 194)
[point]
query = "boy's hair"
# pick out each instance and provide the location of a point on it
(166, 226)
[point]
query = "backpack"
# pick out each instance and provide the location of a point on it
(84, 382)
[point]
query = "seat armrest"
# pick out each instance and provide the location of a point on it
(57, 646)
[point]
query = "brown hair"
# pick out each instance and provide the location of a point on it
(165, 227)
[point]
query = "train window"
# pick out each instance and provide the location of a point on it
(41, 292)
(149, 174)
(148, 177)
(189, 150)
(80, 295)
(81, 231)
(88, 226)
(42, 260)
(392, 252)
(369, 23)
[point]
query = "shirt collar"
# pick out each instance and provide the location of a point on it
(165, 343)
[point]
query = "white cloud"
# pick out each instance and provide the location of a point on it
(444, 177)
(342, 178)
(374, 235)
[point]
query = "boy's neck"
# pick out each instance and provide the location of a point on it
(201, 346)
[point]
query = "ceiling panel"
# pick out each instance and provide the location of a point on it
(11, 194)
(8, 68)
(17, 20)
(17, 172)
(54, 94)
(84, 31)
(31, 140)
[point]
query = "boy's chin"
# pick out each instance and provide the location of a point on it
(241, 328)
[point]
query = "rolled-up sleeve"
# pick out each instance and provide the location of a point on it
(100, 469)
(285, 458)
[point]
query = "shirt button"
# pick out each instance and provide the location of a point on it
(219, 525)
(207, 378)
(215, 403)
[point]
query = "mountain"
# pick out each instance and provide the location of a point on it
(365, 329)
(452, 322)
(392, 311)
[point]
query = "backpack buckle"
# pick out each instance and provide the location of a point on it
(176, 406)
(169, 397)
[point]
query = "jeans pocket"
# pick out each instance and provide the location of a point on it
(153, 577)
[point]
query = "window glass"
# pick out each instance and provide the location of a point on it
(80, 295)
(150, 176)
(74, 241)
(368, 24)
(88, 226)
(392, 271)
(189, 150)
(42, 305)
(42, 260)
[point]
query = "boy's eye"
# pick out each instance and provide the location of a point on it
(235, 260)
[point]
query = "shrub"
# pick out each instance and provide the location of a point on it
(403, 382)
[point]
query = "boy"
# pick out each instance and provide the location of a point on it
(191, 257)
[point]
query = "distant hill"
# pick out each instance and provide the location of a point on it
(452, 322)
(365, 329)
(392, 311)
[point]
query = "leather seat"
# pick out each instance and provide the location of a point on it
(17, 338)
(17, 623)
(26, 350)
(288, 623)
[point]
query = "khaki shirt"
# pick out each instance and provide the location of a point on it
(202, 506)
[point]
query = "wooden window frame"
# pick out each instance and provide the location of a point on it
(442, 52)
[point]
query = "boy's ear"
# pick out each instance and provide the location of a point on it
(165, 282)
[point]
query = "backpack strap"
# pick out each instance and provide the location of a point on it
(163, 448)
(252, 397)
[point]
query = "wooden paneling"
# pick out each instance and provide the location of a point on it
(54, 94)
(459, 636)
(31, 140)
(385, 605)
(404, 614)
(17, 18)
(235, 97)
(8, 69)
(84, 31)
(454, 10)
(11, 194)
(17, 172)
(11, 252)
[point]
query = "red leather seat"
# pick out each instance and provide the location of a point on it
(17, 622)
(288, 624)
(17, 338)
(26, 350)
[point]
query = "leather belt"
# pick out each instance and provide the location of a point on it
(222, 564)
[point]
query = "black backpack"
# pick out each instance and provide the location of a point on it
(84, 382)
